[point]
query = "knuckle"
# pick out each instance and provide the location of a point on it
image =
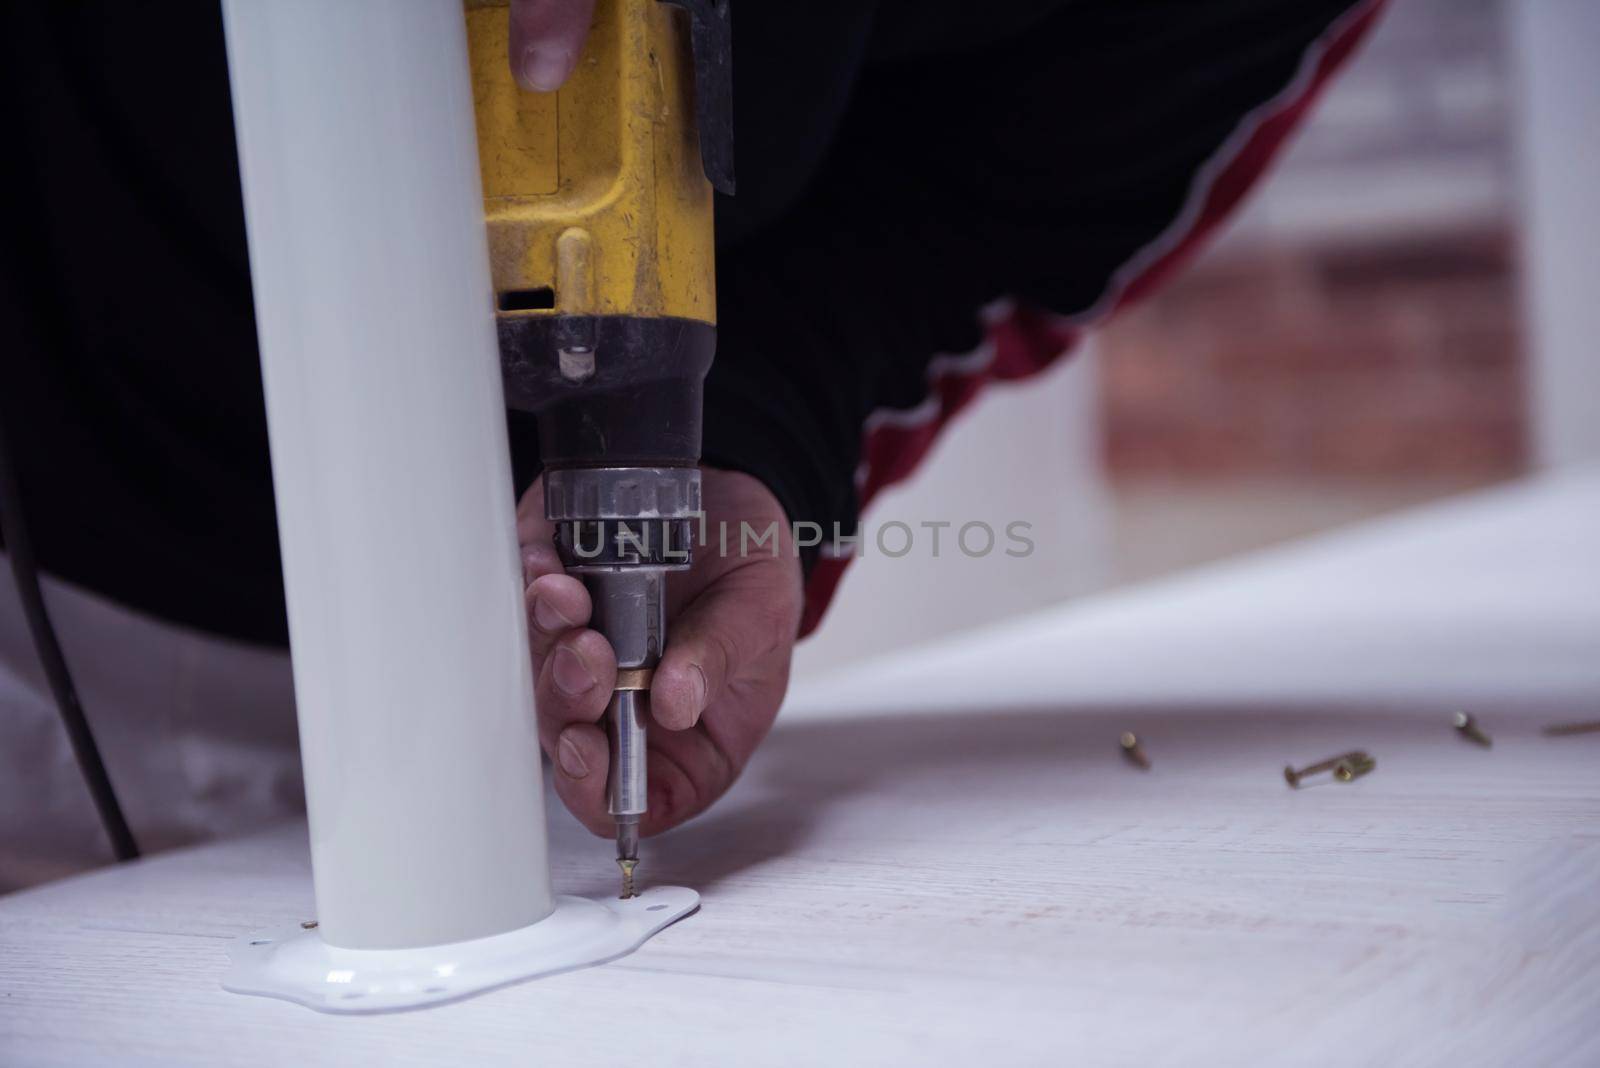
(727, 648)
(770, 628)
(540, 560)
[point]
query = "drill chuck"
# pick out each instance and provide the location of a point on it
(621, 529)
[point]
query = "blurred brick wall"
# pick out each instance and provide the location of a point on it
(1359, 318)
(1369, 360)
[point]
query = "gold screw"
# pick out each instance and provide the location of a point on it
(1133, 750)
(1345, 767)
(1467, 727)
(627, 867)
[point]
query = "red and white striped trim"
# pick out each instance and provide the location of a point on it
(1021, 340)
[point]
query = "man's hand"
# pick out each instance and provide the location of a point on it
(732, 621)
(546, 38)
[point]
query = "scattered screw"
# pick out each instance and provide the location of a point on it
(1467, 727)
(1133, 750)
(1557, 730)
(1346, 766)
(310, 925)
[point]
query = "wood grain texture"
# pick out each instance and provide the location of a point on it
(989, 882)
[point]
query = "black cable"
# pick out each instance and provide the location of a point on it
(25, 569)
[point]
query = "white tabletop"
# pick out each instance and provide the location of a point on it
(942, 858)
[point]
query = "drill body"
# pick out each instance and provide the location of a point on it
(599, 213)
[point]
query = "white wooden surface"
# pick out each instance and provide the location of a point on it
(942, 859)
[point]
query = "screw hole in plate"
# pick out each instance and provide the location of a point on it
(655, 908)
(261, 941)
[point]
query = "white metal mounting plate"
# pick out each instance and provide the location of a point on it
(297, 965)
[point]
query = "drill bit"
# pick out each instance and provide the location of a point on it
(627, 854)
(626, 787)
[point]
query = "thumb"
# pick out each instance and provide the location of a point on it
(546, 37)
(719, 636)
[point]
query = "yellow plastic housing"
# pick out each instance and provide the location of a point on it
(594, 195)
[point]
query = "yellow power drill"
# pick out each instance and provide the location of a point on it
(598, 200)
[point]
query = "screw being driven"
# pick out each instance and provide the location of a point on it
(627, 867)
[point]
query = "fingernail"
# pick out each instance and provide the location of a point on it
(545, 68)
(571, 674)
(546, 616)
(699, 690)
(571, 760)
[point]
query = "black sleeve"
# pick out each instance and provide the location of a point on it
(129, 384)
(1038, 167)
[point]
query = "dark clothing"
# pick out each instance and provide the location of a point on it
(901, 165)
